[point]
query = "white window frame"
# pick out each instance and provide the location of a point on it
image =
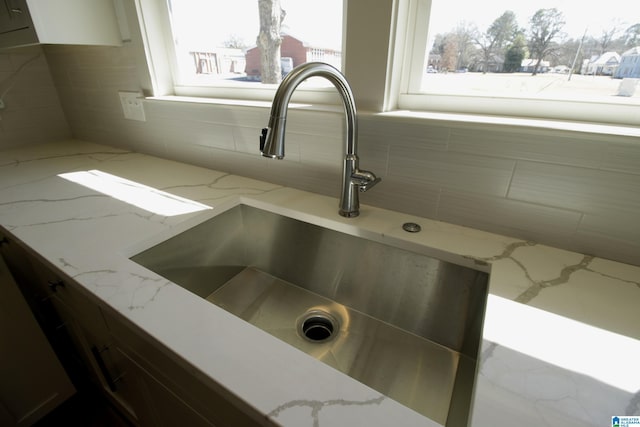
(410, 97)
(385, 79)
(153, 16)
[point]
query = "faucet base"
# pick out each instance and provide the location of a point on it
(351, 214)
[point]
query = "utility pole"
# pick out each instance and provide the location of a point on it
(577, 54)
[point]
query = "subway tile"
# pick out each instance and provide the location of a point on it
(525, 144)
(205, 112)
(456, 171)
(580, 189)
(404, 195)
(386, 130)
(247, 140)
(103, 100)
(86, 78)
(319, 179)
(194, 154)
(324, 151)
(512, 218)
(622, 154)
(316, 122)
(614, 235)
(192, 132)
(374, 155)
(243, 164)
(282, 172)
(118, 78)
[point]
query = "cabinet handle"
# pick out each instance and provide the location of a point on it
(53, 284)
(16, 10)
(103, 369)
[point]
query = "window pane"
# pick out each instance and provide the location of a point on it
(559, 49)
(215, 40)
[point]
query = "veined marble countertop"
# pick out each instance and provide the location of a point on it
(561, 339)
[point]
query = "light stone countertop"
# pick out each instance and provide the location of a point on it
(561, 338)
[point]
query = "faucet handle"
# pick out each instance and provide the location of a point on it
(366, 186)
(365, 180)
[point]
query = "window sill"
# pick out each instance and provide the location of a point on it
(419, 116)
(617, 116)
(562, 125)
(243, 103)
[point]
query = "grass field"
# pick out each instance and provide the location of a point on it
(548, 85)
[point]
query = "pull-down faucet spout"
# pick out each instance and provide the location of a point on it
(354, 180)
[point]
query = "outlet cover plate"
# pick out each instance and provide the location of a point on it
(132, 105)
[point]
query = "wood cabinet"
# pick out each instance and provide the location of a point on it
(12, 16)
(33, 379)
(73, 325)
(171, 389)
(87, 22)
(148, 383)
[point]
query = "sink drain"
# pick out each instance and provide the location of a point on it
(317, 326)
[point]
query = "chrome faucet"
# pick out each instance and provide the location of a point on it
(272, 138)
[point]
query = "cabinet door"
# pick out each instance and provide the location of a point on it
(164, 371)
(103, 364)
(157, 406)
(13, 16)
(33, 380)
(25, 22)
(74, 324)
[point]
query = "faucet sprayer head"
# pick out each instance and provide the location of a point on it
(272, 139)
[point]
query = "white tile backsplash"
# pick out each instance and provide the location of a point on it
(572, 189)
(510, 217)
(450, 170)
(580, 189)
(528, 144)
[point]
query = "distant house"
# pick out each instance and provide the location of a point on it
(299, 52)
(528, 65)
(218, 61)
(494, 65)
(601, 65)
(629, 64)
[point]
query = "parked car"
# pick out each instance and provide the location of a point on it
(286, 64)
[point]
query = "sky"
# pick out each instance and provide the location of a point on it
(313, 21)
(319, 21)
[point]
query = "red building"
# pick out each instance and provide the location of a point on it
(299, 52)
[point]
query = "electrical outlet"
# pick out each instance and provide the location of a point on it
(132, 106)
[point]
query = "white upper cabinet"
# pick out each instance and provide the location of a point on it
(87, 22)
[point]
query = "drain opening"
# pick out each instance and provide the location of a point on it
(318, 327)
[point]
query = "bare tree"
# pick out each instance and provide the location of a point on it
(269, 40)
(235, 42)
(546, 27)
(632, 35)
(499, 33)
(458, 49)
(608, 36)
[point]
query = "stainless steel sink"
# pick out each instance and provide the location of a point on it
(403, 323)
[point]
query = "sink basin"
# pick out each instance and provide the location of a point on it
(405, 324)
